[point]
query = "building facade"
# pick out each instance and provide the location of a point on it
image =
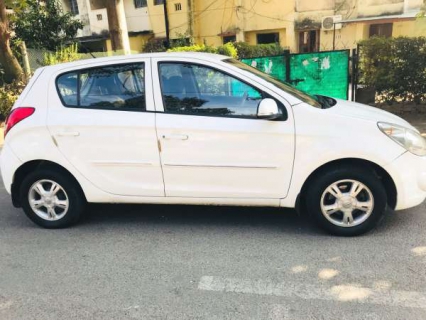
(340, 24)
(300, 25)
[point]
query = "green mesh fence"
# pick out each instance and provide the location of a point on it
(275, 66)
(323, 73)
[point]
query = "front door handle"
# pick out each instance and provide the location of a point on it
(68, 134)
(175, 137)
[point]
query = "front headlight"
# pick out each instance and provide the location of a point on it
(408, 138)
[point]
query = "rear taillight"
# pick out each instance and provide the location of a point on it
(16, 116)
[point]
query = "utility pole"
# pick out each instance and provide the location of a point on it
(166, 22)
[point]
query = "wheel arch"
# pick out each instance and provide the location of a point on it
(383, 175)
(34, 165)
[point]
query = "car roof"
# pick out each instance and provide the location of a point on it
(122, 58)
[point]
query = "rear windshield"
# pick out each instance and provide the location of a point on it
(311, 100)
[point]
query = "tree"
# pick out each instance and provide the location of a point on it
(12, 69)
(44, 24)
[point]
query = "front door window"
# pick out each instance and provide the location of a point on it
(198, 90)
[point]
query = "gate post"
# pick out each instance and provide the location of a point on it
(286, 58)
(354, 78)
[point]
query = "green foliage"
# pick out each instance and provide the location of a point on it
(227, 49)
(45, 26)
(395, 67)
(9, 93)
(62, 55)
(182, 39)
(246, 50)
(422, 12)
(194, 48)
(154, 45)
(240, 50)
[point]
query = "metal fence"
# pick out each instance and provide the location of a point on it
(325, 73)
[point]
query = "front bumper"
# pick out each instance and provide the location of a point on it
(409, 174)
(9, 163)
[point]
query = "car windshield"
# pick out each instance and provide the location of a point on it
(311, 100)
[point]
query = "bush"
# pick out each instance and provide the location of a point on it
(246, 50)
(62, 55)
(154, 45)
(9, 93)
(194, 48)
(227, 49)
(394, 67)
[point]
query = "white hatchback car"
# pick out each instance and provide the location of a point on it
(185, 128)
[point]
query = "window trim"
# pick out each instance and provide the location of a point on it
(264, 94)
(79, 71)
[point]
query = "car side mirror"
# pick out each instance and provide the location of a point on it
(268, 109)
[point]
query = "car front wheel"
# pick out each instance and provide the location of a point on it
(347, 201)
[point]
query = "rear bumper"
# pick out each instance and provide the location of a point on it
(9, 163)
(409, 174)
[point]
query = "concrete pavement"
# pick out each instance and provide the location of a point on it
(178, 262)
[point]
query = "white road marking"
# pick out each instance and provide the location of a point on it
(339, 293)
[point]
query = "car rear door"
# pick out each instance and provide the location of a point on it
(102, 119)
(212, 143)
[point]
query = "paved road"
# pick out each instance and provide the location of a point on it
(161, 262)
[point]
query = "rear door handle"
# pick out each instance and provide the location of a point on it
(175, 137)
(68, 134)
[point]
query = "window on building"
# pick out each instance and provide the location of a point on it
(381, 30)
(99, 17)
(181, 42)
(119, 87)
(263, 38)
(308, 41)
(227, 39)
(74, 7)
(158, 2)
(140, 3)
(178, 6)
(200, 90)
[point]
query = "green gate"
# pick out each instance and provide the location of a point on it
(325, 73)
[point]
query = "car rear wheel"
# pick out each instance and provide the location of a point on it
(51, 199)
(346, 201)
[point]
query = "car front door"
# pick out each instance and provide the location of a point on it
(212, 143)
(99, 118)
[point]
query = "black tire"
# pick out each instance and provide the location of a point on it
(76, 199)
(324, 179)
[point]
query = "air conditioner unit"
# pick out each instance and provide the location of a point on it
(331, 22)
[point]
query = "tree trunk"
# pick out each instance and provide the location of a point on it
(11, 67)
(117, 25)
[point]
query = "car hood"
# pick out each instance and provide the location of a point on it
(362, 111)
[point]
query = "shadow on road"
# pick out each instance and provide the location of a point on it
(210, 217)
(207, 216)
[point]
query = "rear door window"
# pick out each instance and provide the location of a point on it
(118, 87)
